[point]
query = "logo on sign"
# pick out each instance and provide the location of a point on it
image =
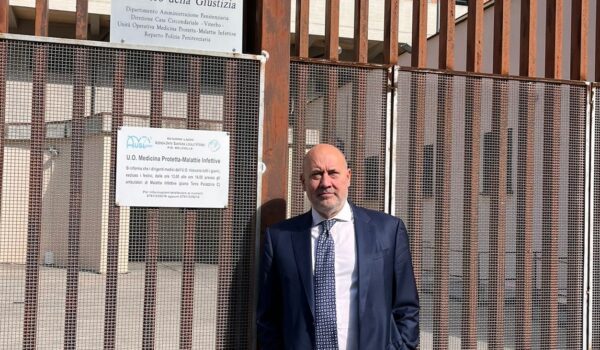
(214, 145)
(141, 142)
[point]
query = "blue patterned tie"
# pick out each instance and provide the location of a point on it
(325, 311)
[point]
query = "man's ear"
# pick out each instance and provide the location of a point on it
(302, 181)
(349, 176)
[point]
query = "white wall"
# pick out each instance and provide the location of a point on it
(515, 14)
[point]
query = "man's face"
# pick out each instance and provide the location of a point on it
(326, 179)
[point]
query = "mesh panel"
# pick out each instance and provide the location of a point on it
(76, 271)
(596, 230)
(490, 179)
(346, 107)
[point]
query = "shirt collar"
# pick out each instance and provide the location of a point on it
(344, 215)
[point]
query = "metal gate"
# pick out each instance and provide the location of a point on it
(488, 172)
(77, 271)
(490, 177)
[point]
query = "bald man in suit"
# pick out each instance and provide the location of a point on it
(339, 276)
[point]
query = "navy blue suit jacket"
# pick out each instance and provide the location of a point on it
(388, 304)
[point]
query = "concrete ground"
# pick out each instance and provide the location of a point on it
(91, 307)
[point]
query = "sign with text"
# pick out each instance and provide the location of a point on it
(172, 168)
(212, 25)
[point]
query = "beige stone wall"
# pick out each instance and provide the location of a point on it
(95, 6)
(55, 206)
(376, 18)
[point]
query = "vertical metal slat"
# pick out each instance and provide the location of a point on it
(112, 251)
(497, 220)
(361, 31)
(443, 175)
(359, 121)
(524, 219)
(550, 223)
(332, 29)
(299, 137)
(415, 173)
(36, 173)
(191, 215)
(80, 58)
(302, 15)
(471, 213)
(330, 114)
(150, 273)
(225, 334)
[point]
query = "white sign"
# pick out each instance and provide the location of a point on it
(172, 168)
(212, 25)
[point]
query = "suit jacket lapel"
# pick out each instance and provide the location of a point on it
(303, 253)
(365, 248)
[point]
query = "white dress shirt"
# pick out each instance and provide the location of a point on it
(346, 274)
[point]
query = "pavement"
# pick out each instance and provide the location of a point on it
(90, 317)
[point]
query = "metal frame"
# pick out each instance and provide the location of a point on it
(259, 172)
(590, 148)
(588, 251)
(391, 140)
(40, 39)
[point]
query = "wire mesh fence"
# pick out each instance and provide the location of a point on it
(490, 177)
(488, 173)
(347, 107)
(77, 271)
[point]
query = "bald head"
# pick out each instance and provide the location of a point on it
(326, 178)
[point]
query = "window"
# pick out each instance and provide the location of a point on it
(490, 154)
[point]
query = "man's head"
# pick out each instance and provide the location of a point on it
(326, 178)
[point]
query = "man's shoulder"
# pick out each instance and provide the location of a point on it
(295, 223)
(373, 214)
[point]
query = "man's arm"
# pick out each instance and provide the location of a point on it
(268, 316)
(405, 309)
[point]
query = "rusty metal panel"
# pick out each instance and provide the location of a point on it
(332, 29)
(302, 16)
(475, 36)
(4, 16)
(580, 16)
(390, 32)
(419, 34)
(509, 283)
(501, 58)
(276, 90)
(361, 31)
(97, 275)
(554, 39)
(528, 42)
(81, 19)
(447, 34)
(597, 49)
(41, 17)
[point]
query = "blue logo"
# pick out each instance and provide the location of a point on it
(141, 142)
(214, 145)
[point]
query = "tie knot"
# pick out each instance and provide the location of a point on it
(327, 224)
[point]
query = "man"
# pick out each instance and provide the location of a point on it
(345, 283)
